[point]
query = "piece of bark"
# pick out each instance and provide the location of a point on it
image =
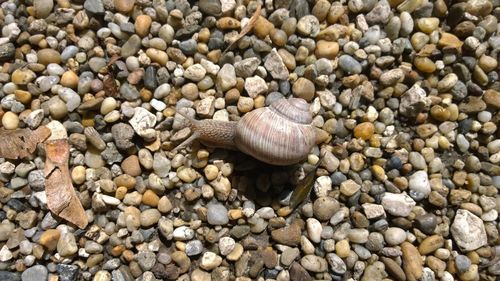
(61, 196)
(247, 28)
(21, 143)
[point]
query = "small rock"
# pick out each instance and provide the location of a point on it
(398, 204)
(217, 214)
(468, 231)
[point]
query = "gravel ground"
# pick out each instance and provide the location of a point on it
(404, 97)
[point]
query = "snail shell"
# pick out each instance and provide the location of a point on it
(280, 134)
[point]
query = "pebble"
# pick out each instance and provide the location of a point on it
(217, 214)
(394, 236)
(403, 96)
(10, 121)
(468, 231)
(210, 260)
(275, 66)
(37, 272)
(398, 204)
(303, 88)
(419, 184)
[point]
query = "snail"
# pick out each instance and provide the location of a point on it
(281, 134)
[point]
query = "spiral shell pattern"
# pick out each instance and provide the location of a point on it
(280, 134)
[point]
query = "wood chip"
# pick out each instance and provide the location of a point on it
(247, 28)
(61, 196)
(21, 143)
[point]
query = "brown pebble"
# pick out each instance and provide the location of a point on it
(150, 198)
(412, 261)
(262, 27)
(326, 49)
(49, 239)
(228, 23)
(46, 56)
(131, 167)
(124, 6)
(142, 25)
(23, 96)
(364, 130)
(303, 88)
(430, 244)
(69, 79)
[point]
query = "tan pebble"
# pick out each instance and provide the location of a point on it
(471, 274)
(164, 205)
(342, 248)
(259, 101)
(279, 37)
(187, 175)
(304, 88)
(412, 261)
(326, 49)
(424, 64)
(23, 97)
(492, 98)
(78, 174)
(284, 211)
(49, 239)
(10, 120)
(235, 253)
(235, 214)
(64, 4)
(131, 167)
(245, 104)
(379, 173)
(449, 40)
(125, 180)
(211, 172)
(228, 23)
(320, 9)
(120, 193)
(58, 109)
(108, 105)
(150, 198)
(288, 59)
(46, 56)
(142, 25)
(262, 27)
(22, 76)
(428, 25)
(204, 35)
(158, 56)
(69, 79)
(124, 6)
(487, 63)
(436, 265)
(440, 113)
(364, 130)
(430, 244)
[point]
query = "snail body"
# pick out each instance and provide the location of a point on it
(280, 134)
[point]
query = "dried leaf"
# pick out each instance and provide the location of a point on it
(21, 143)
(247, 28)
(305, 185)
(61, 196)
(109, 83)
(109, 86)
(112, 61)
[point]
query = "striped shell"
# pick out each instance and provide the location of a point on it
(280, 134)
